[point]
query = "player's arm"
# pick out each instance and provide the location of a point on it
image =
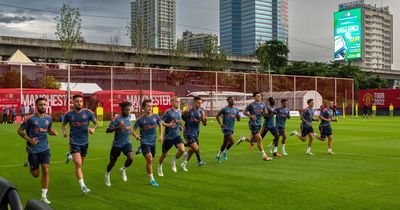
(238, 115)
(64, 126)
(303, 119)
(267, 113)
(21, 132)
(247, 113)
(217, 117)
(204, 118)
(160, 129)
(133, 130)
(134, 134)
(288, 116)
(164, 123)
(51, 131)
(114, 125)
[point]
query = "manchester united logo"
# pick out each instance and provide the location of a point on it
(84, 116)
(36, 122)
(46, 122)
(368, 99)
(154, 120)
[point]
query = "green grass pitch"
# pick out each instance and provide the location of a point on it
(364, 173)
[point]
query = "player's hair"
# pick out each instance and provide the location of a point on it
(255, 93)
(229, 98)
(284, 100)
(40, 99)
(310, 100)
(124, 104)
(196, 98)
(174, 98)
(144, 103)
(271, 99)
(77, 96)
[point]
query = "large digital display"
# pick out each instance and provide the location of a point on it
(348, 34)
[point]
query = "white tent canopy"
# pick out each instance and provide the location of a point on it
(19, 58)
(85, 88)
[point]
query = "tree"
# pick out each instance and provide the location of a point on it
(10, 79)
(272, 55)
(178, 56)
(69, 31)
(113, 43)
(213, 57)
(135, 30)
(49, 82)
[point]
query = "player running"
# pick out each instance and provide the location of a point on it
(282, 114)
(255, 111)
(147, 124)
(78, 120)
(306, 126)
(121, 125)
(229, 114)
(34, 130)
(171, 120)
(269, 125)
(325, 125)
(192, 118)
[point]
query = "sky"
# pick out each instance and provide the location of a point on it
(310, 21)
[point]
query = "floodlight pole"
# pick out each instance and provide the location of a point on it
(68, 87)
(20, 80)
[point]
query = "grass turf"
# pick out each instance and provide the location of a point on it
(364, 173)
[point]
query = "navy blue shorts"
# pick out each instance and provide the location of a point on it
(168, 143)
(325, 131)
(116, 151)
(35, 159)
(273, 130)
(191, 139)
(227, 132)
(82, 149)
(306, 130)
(255, 129)
(147, 148)
(281, 130)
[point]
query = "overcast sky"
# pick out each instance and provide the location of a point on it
(310, 21)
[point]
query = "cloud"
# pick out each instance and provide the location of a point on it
(10, 18)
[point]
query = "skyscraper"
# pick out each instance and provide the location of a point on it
(153, 23)
(377, 39)
(245, 24)
(197, 42)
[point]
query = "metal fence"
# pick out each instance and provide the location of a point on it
(107, 86)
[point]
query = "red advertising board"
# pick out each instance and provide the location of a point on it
(382, 98)
(160, 98)
(56, 99)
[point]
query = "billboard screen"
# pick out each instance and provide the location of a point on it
(348, 34)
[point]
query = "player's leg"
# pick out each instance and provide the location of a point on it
(180, 150)
(78, 154)
(283, 134)
(275, 134)
(229, 143)
(310, 141)
(166, 146)
(193, 148)
(321, 135)
(330, 145)
(33, 160)
(128, 152)
(199, 161)
(258, 139)
(148, 155)
(45, 182)
(222, 148)
(114, 154)
(303, 136)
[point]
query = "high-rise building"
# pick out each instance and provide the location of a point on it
(377, 31)
(197, 42)
(153, 23)
(245, 24)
